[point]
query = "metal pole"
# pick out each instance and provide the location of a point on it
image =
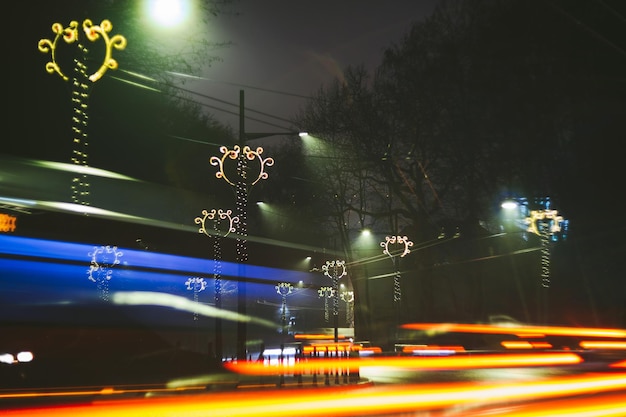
(242, 202)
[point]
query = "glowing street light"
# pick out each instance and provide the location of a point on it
(168, 13)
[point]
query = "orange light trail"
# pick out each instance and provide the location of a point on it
(91, 392)
(320, 336)
(517, 330)
(618, 364)
(602, 344)
(607, 405)
(351, 401)
(421, 362)
(427, 348)
(524, 344)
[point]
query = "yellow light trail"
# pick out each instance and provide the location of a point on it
(352, 400)
(517, 330)
(421, 362)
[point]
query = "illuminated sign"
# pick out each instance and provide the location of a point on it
(7, 223)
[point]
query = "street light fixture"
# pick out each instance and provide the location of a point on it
(217, 216)
(284, 289)
(348, 297)
(197, 285)
(397, 290)
(243, 154)
(335, 270)
(544, 223)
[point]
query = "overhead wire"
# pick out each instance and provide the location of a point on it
(195, 77)
(208, 97)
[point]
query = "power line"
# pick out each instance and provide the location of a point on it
(231, 104)
(235, 105)
(285, 93)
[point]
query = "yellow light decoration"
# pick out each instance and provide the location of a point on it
(8, 223)
(80, 88)
(93, 33)
(542, 215)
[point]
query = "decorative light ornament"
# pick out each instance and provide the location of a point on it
(197, 285)
(402, 240)
(553, 226)
(216, 215)
(93, 33)
(391, 240)
(249, 154)
(100, 270)
(80, 86)
(284, 289)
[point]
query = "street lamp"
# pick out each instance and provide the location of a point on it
(284, 289)
(348, 297)
(197, 285)
(325, 292)
(81, 85)
(103, 259)
(544, 223)
(217, 216)
(241, 183)
(335, 270)
(395, 259)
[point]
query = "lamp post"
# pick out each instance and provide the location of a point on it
(335, 270)
(325, 292)
(197, 285)
(81, 86)
(284, 289)
(397, 290)
(544, 223)
(243, 154)
(103, 259)
(217, 216)
(348, 297)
